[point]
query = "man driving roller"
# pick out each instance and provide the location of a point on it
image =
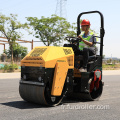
(87, 44)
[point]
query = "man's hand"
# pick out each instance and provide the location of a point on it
(80, 37)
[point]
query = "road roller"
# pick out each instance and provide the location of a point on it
(50, 73)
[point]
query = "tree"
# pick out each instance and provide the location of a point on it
(103, 57)
(9, 27)
(51, 30)
(18, 50)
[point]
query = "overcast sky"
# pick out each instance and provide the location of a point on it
(38, 8)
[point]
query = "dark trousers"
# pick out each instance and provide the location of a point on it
(86, 53)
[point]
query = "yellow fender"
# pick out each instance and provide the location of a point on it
(60, 74)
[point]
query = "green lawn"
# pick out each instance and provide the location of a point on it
(111, 67)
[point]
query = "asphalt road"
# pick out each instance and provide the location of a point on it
(12, 107)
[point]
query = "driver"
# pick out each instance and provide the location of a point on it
(87, 44)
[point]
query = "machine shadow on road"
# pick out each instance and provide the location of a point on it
(28, 105)
(67, 100)
(23, 105)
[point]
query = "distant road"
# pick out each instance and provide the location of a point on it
(111, 72)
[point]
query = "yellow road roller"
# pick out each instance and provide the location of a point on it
(50, 73)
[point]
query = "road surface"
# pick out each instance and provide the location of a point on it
(12, 107)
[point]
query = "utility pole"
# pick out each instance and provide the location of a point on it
(61, 8)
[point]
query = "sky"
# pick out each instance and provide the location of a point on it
(37, 8)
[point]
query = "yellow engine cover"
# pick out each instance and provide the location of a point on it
(47, 57)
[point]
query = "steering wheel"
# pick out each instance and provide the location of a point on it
(73, 39)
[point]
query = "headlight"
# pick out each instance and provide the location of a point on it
(40, 79)
(24, 77)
